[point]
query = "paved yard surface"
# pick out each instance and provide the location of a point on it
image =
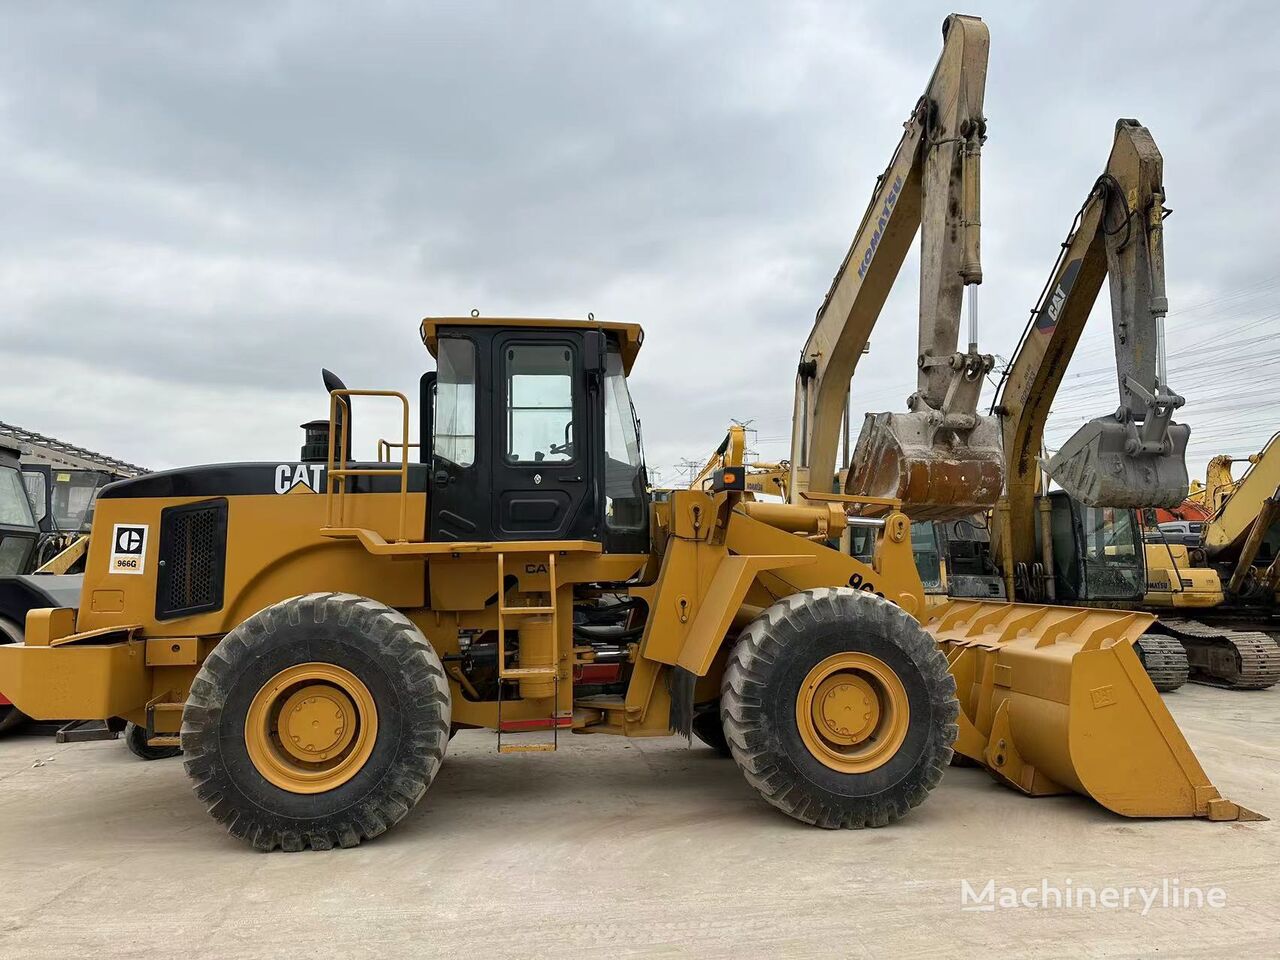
(618, 849)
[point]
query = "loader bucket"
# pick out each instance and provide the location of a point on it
(937, 473)
(1096, 467)
(1054, 700)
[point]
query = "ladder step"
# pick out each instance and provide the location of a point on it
(164, 741)
(508, 611)
(526, 747)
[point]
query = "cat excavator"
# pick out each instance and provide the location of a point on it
(1086, 543)
(1135, 457)
(312, 632)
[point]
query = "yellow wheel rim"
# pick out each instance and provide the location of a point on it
(311, 728)
(852, 712)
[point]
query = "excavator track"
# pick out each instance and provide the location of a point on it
(1165, 660)
(1222, 657)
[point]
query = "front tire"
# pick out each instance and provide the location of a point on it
(839, 708)
(318, 722)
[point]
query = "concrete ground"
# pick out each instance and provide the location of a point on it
(618, 849)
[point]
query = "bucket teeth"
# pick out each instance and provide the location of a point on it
(1054, 700)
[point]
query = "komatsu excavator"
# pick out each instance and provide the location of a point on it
(941, 459)
(313, 631)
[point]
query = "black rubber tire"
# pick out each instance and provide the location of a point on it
(11, 718)
(766, 668)
(708, 728)
(135, 738)
(404, 676)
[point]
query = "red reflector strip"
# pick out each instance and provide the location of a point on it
(540, 723)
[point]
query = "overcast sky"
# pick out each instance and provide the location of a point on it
(205, 203)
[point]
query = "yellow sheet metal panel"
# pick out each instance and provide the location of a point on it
(48, 624)
(76, 682)
(173, 651)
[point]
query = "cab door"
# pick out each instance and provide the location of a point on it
(545, 444)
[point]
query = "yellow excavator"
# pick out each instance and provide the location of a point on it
(1214, 580)
(1135, 457)
(941, 458)
(313, 631)
(1086, 544)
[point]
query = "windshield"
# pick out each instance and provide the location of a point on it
(15, 508)
(624, 464)
(74, 493)
(1112, 563)
(36, 492)
(924, 548)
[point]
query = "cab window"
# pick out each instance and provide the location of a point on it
(454, 422)
(624, 476)
(539, 403)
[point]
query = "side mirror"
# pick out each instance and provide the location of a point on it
(593, 351)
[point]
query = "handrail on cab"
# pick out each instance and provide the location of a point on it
(337, 470)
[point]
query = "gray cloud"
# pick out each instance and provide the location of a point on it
(203, 204)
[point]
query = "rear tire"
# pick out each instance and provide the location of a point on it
(11, 718)
(135, 738)
(708, 728)
(297, 665)
(818, 651)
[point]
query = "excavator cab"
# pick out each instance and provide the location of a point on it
(1098, 552)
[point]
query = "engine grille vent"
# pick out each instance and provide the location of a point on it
(193, 551)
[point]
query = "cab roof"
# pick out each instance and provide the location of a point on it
(630, 335)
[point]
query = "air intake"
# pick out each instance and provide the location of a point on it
(193, 550)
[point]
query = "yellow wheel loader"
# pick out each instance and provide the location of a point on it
(312, 631)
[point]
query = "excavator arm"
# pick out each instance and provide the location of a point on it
(1246, 511)
(931, 184)
(1135, 457)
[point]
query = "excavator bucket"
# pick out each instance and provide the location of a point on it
(1098, 468)
(1053, 700)
(937, 473)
